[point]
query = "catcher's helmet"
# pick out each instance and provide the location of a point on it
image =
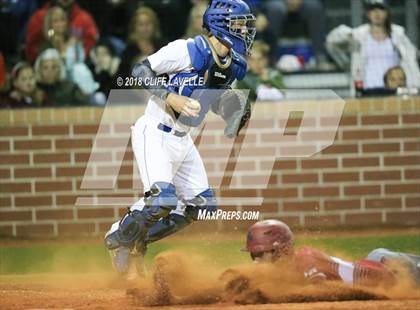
(269, 236)
(231, 21)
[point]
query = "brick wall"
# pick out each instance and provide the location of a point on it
(369, 176)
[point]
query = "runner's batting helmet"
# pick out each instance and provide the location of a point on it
(269, 236)
(231, 22)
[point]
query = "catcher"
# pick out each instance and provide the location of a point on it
(272, 240)
(171, 168)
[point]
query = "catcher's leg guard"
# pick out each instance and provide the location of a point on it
(121, 243)
(166, 226)
(159, 202)
(175, 222)
(130, 236)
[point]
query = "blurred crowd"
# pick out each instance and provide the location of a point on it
(68, 52)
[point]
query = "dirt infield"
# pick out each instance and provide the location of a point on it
(181, 281)
(33, 295)
(116, 300)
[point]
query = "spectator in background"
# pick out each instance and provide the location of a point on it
(395, 78)
(195, 20)
(172, 13)
(51, 77)
(104, 64)
(58, 36)
(269, 15)
(293, 19)
(144, 38)
(24, 93)
(264, 83)
(81, 24)
(57, 33)
(375, 47)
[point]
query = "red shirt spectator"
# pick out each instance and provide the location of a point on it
(81, 22)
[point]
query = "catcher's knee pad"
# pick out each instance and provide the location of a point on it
(160, 200)
(204, 201)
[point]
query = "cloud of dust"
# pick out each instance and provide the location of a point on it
(179, 278)
(405, 288)
(182, 278)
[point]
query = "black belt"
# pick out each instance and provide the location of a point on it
(168, 129)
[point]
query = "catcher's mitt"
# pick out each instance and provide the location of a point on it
(235, 109)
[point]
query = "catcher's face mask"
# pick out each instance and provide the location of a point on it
(243, 27)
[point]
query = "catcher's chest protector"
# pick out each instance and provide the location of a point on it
(206, 69)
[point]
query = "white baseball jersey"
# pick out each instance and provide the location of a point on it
(170, 59)
(162, 156)
(161, 140)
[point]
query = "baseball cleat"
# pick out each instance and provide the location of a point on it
(120, 258)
